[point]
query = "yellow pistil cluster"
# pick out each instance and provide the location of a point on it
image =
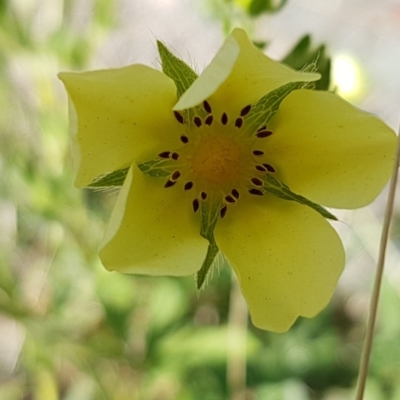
(216, 161)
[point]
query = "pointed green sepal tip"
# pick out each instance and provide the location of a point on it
(209, 217)
(274, 186)
(175, 68)
(112, 179)
(207, 265)
(268, 105)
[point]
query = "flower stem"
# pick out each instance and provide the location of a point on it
(236, 343)
(373, 308)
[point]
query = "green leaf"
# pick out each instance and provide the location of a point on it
(279, 189)
(176, 69)
(158, 167)
(303, 53)
(209, 217)
(269, 104)
(112, 179)
(258, 7)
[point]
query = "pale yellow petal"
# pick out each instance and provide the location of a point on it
(328, 150)
(118, 116)
(240, 74)
(153, 230)
(287, 259)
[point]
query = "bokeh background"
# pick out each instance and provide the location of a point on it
(69, 330)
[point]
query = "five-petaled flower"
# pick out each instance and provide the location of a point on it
(237, 161)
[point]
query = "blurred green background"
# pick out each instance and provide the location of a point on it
(70, 330)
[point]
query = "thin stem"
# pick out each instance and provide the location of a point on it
(369, 335)
(236, 343)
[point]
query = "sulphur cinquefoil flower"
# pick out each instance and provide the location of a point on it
(237, 163)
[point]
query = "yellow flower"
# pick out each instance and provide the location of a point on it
(233, 162)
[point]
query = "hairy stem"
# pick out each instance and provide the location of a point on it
(236, 343)
(373, 308)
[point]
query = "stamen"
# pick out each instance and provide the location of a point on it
(197, 121)
(196, 204)
(261, 168)
(222, 211)
(164, 154)
(175, 176)
(256, 192)
(263, 128)
(258, 152)
(245, 110)
(229, 199)
(224, 119)
(175, 156)
(169, 183)
(209, 120)
(257, 182)
(269, 167)
(203, 196)
(179, 117)
(263, 134)
(188, 185)
(184, 139)
(207, 106)
(239, 122)
(235, 193)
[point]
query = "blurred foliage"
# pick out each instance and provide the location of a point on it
(232, 13)
(257, 7)
(70, 330)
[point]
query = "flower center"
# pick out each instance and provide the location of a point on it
(218, 159)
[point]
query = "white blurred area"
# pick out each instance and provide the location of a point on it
(347, 78)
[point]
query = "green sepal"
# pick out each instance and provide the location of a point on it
(279, 189)
(269, 104)
(157, 168)
(182, 75)
(207, 265)
(209, 216)
(112, 179)
(176, 69)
